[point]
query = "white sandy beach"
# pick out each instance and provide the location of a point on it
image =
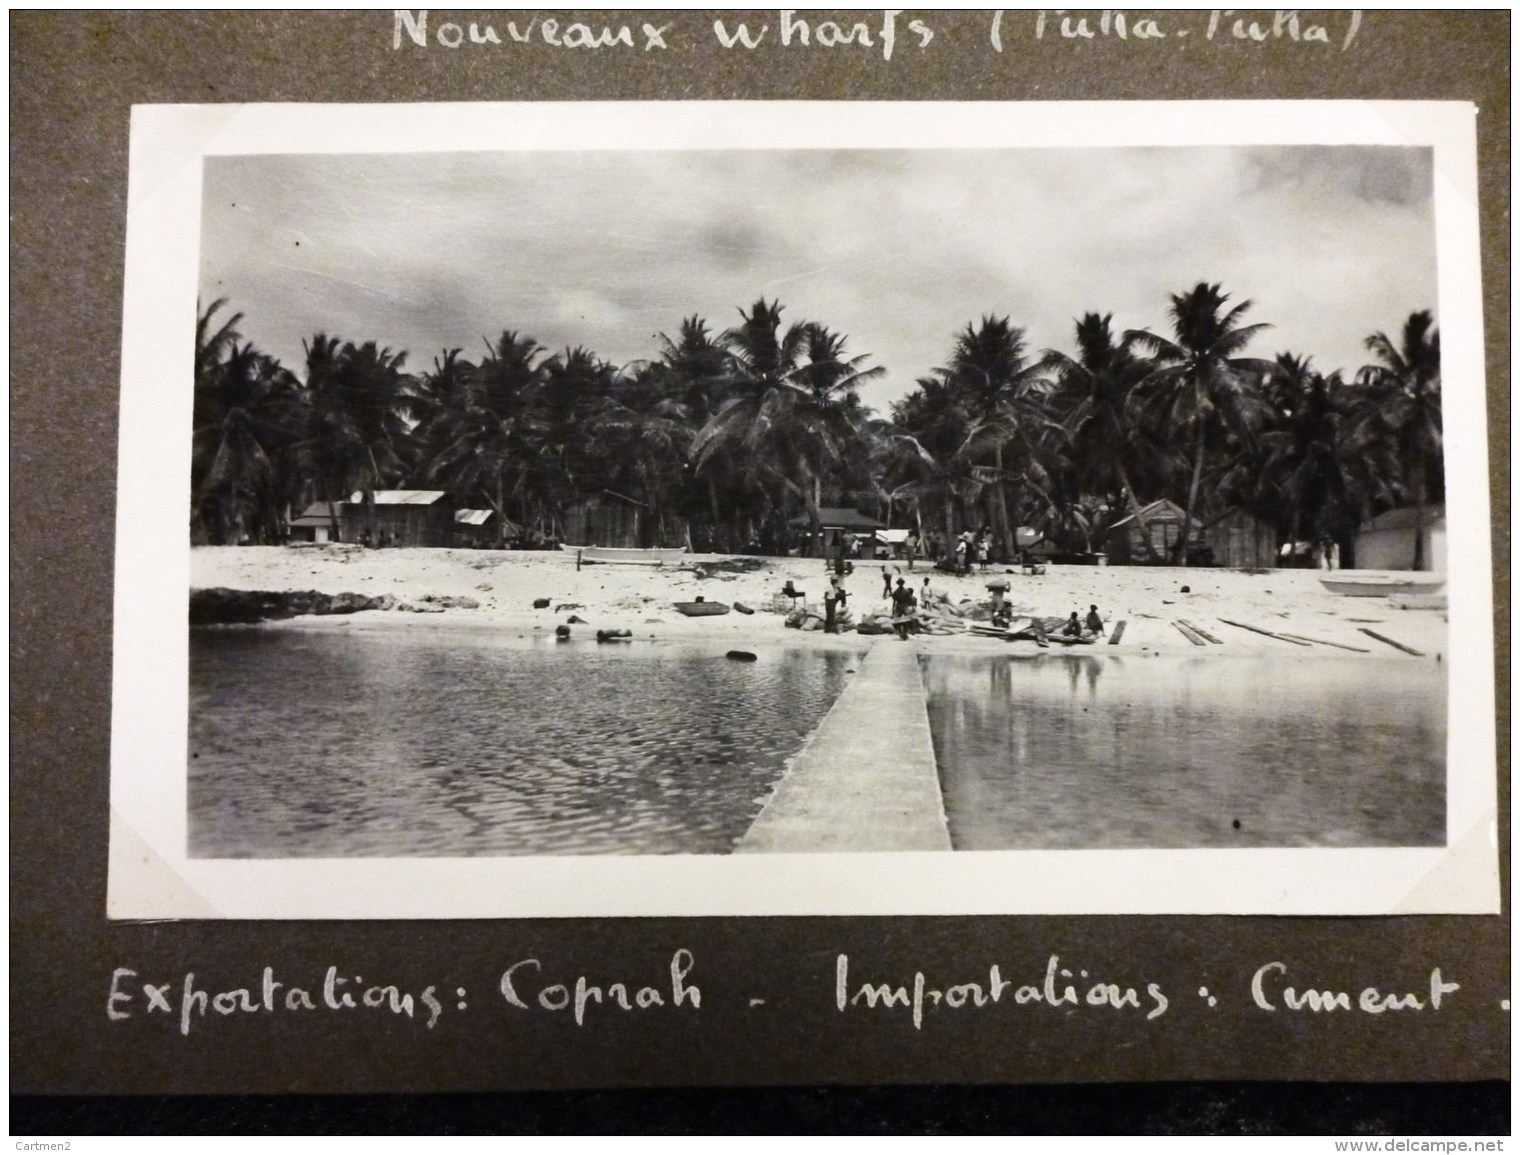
(642, 599)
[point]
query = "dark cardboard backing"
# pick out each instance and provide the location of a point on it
(74, 79)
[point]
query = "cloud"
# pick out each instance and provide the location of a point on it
(897, 249)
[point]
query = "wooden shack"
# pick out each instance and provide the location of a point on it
(836, 522)
(1160, 523)
(402, 517)
(316, 522)
(1239, 540)
(479, 529)
(610, 519)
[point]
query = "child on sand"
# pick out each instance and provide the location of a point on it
(1094, 623)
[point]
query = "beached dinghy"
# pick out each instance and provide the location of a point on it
(611, 555)
(1377, 583)
(701, 609)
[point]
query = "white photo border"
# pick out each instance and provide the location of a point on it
(151, 875)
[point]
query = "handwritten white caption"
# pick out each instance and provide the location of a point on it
(414, 28)
(529, 986)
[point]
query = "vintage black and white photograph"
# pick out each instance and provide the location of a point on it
(753, 509)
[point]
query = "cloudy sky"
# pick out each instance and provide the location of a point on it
(897, 249)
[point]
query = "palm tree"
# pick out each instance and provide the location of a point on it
(1401, 409)
(246, 413)
(826, 420)
(484, 435)
(793, 405)
(1005, 394)
(1200, 385)
(1305, 462)
(695, 370)
(358, 429)
(937, 450)
(576, 387)
(212, 346)
(644, 437)
(1093, 391)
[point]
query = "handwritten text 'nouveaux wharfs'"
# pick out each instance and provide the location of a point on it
(533, 986)
(883, 32)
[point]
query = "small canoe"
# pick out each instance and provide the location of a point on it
(611, 555)
(1376, 583)
(701, 609)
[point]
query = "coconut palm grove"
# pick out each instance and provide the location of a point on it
(732, 439)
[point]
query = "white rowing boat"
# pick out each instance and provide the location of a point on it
(612, 555)
(1378, 583)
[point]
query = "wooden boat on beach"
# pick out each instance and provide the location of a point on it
(1377, 583)
(701, 609)
(612, 555)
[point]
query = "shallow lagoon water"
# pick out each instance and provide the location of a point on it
(405, 743)
(1089, 752)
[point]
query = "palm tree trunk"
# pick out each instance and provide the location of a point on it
(999, 504)
(1419, 516)
(501, 512)
(719, 543)
(332, 509)
(1134, 508)
(1187, 519)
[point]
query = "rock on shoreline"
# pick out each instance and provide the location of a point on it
(221, 607)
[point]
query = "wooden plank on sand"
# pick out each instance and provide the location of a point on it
(1202, 633)
(1189, 634)
(1390, 641)
(1324, 642)
(1267, 633)
(1118, 633)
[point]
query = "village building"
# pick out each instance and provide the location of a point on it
(401, 517)
(613, 520)
(836, 522)
(1159, 525)
(886, 543)
(316, 522)
(1240, 540)
(1387, 541)
(480, 529)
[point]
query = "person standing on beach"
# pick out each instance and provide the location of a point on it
(902, 606)
(886, 581)
(836, 583)
(983, 550)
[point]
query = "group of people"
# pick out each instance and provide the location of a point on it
(970, 547)
(905, 601)
(1091, 627)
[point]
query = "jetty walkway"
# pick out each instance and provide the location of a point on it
(867, 781)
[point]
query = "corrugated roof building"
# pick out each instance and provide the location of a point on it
(400, 517)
